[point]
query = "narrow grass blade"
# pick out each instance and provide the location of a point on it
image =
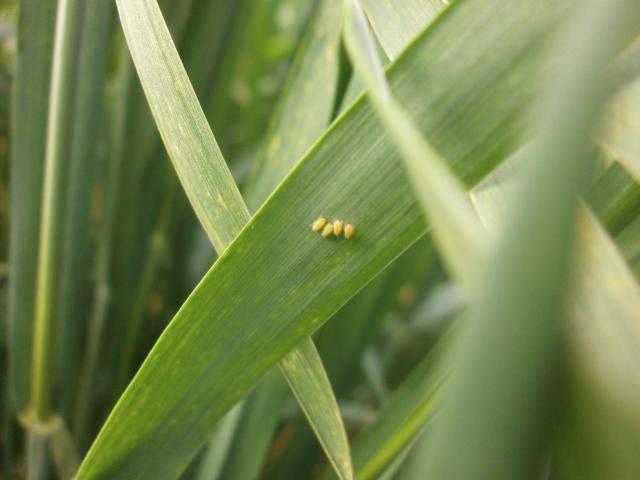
(218, 449)
(278, 256)
(602, 336)
(182, 124)
(51, 226)
(401, 419)
(303, 112)
(103, 287)
(514, 325)
(260, 418)
(621, 139)
(83, 162)
(456, 229)
(397, 22)
(252, 69)
(203, 172)
(615, 198)
(309, 382)
(305, 109)
(29, 123)
(629, 244)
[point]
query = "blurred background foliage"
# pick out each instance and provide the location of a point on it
(133, 249)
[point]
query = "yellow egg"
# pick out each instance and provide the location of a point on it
(327, 231)
(317, 225)
(349, 231)
(337, 227)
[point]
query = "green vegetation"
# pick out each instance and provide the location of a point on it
(168, 311)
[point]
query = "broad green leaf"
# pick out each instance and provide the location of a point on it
(513, 329)
(456, 230)
(36, 20)
(312, 397)
(226, 335)
(397, 22)
(211, 189)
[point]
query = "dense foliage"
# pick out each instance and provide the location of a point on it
(289, 239)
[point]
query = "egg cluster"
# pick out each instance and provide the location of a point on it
(334, 228)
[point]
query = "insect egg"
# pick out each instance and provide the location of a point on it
(337, 227)
(327, 231)
(349, 230)
(317, 225)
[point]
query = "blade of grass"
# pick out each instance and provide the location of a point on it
(74, 272)
(456, 230)
(363, 171)
(210, 187)
(256, 428)
(629, 244)
(601, 349)
(514, 326)
(397, 427)
(218, 448)
(615, 198)
(604, 355)
(183, 128)
(623, 130)
(29, 124)
(397, 22)
(104, 248)
(307, 104)
(51, 222)
(252, 69)
(401, 420)
(311, 393)
(303, 112)
(63, 70)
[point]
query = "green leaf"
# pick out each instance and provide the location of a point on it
(236, 325)
(456, 229)
(210, 187)
(401, 420)
(29, 123)
(217, 450)
(303, 112)
(615, 198)
(63, 70)
(397, 22)
(85, 136)
(602, 350)
(621, 139)
(182, 124)
(305, 109)
(514, 327)
(314, 397)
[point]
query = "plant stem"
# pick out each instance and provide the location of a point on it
(63, 69)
